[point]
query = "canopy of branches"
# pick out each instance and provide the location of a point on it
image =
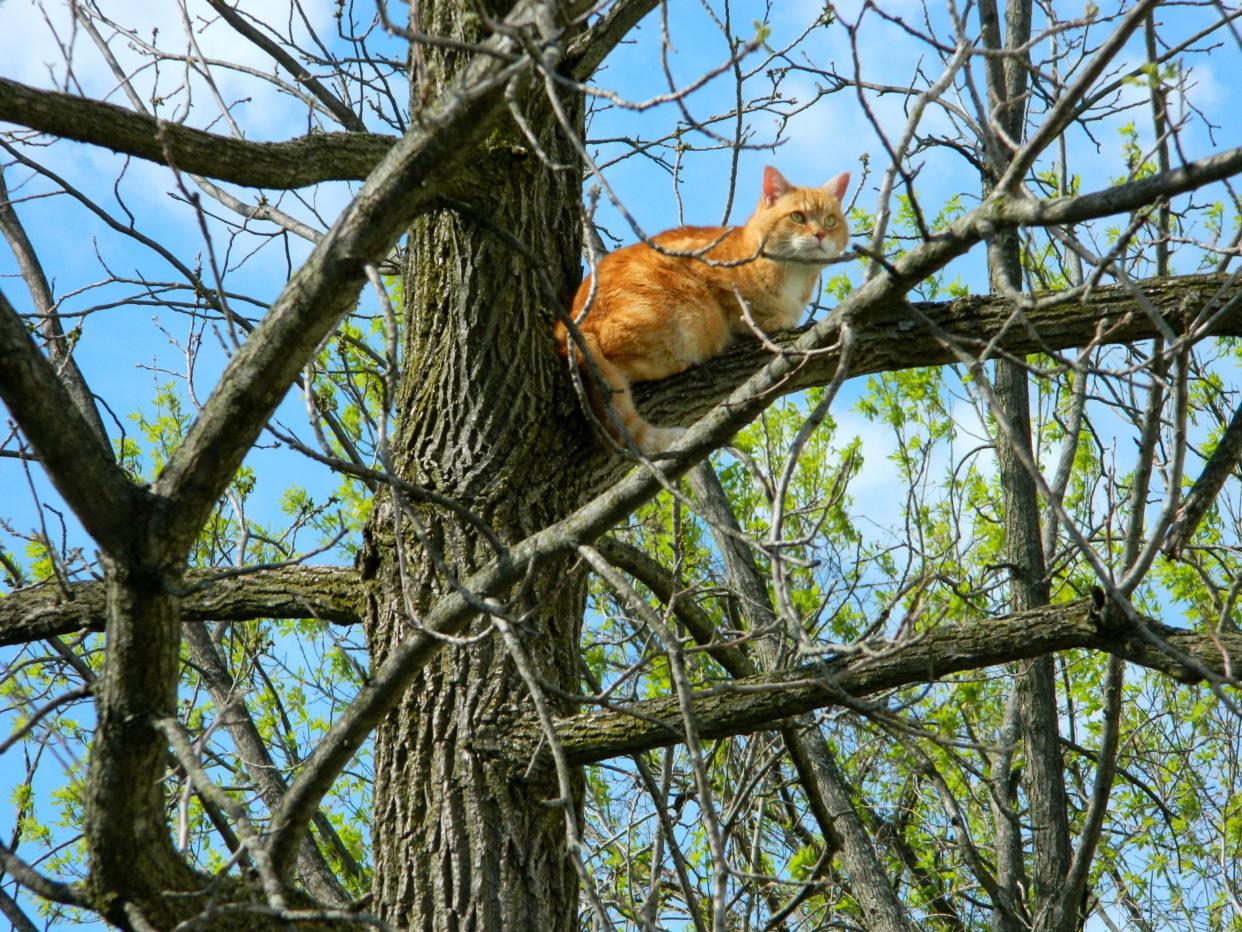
(329, 599)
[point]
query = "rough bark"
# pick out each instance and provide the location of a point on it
(330, 593)
(462, 839)
(133, 864)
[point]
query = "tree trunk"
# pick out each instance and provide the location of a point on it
(1043, 770)
(460, 837)
(132, 859)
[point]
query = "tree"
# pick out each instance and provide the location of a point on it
(599, 689)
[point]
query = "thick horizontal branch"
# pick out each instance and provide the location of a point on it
(906, 335)
(327, 592)
(895, 334)
(759, 702)
(296, 163)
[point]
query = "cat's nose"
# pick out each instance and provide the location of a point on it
(819, 235)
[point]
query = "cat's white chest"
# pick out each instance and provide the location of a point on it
(793, 294)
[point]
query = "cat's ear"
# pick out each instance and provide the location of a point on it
(774, 185)
(836, 187)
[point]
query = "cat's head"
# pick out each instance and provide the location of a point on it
(805, 224)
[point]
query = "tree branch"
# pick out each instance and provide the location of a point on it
(759, 702)
(904, 335)
(59, 348)
(11, 911)
(84, 473)
(1133, 195)
(892, 333)
(828, 792)
(660, 581)
(36, 883)
(330, 593)
(348, 119)
(588, 51)
(295, 163)
(1065, 109)
(1202, 495)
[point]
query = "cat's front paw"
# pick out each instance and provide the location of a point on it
(660, 439)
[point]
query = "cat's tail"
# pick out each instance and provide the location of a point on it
(616, 405)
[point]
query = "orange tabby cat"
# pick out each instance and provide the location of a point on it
(654, 315)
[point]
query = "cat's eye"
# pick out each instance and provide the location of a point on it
(798, 217)
(830, 222)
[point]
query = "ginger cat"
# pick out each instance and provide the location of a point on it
(654, 315)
